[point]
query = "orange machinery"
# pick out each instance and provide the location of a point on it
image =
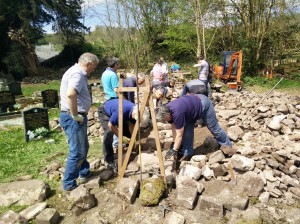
(230, 70)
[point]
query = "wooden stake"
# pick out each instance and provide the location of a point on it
(120, 127)
(147, 99)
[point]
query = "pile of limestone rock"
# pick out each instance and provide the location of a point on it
(256, 181)
(264, 162)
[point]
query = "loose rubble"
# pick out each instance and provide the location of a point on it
(256, 181)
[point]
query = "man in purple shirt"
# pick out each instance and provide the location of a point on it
(183, 113)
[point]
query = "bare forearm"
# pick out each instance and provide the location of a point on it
(72, 101)
(131, 127)
(177, 142)
(178, 137)
(114, 129)
(173, 132)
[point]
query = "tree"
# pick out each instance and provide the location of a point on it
(248, 25)
(21, 25)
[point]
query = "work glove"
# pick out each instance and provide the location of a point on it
(78, 118)
(170, 153)
(125, 140)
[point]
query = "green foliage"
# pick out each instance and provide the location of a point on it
(180, 41)
(53, 113)
(14, 62)
(53, 39)
(95, 48)
(22, 25)
(68, 22)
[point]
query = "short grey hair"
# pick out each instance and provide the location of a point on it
(141, 75)
(161, 113)
(145, 116)
(88, 58)
(112, 61)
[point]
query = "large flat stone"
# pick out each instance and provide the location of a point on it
(32, 211)
(211, 205)
(48, 216)
(10, 217)
(127, 188)
(27, 192)
(186, 196)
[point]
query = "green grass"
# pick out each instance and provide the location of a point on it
(20, 158)
(29, 89)
(53, 113)
(269, 83)
(263, 85)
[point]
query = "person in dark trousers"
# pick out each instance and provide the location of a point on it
(194, 86)
(75, 104)
(132, 82)
(110, 83)
(183, 113)
(108, 114)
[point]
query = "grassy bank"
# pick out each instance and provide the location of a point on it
(261, 85)
(29, 89)
(19, 157)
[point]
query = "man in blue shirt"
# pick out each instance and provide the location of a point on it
(110, 83)
(109, 117)
(109, 78)
(183, 113)
(75, 104)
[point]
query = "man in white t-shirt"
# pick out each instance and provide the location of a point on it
(164, 68)
(203, 72)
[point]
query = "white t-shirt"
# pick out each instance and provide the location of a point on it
(203, 70)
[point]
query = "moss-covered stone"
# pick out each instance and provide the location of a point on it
(151, 191)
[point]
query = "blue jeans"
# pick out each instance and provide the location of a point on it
(77, 164)
(210, 120)
(115, 142)
(187, 144)
(208, 88)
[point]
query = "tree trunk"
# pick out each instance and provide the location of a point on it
(196, 7)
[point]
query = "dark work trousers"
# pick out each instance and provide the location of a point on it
(108, 152)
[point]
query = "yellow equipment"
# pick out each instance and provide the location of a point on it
(230, 70)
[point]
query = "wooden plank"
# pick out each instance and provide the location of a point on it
(134, 89)
(156, 136)
(120, 127)
(133, 137)
(147, 99)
